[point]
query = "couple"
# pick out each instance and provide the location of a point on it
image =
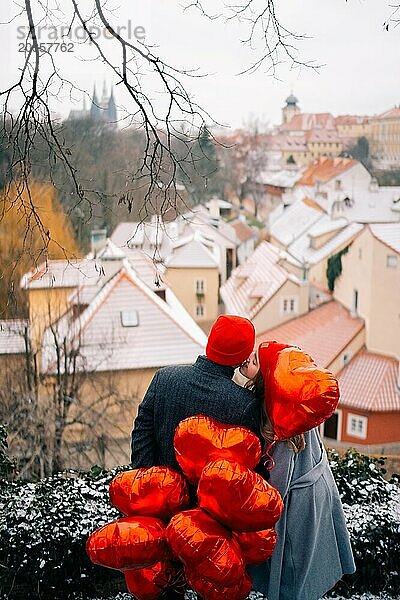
(313, 549)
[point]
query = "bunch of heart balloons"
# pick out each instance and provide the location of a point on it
(230, 527)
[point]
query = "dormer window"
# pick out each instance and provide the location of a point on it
(338, 184)
(129, 318)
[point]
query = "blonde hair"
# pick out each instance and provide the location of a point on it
(256, 385)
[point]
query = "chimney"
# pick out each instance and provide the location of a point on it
(373, 185)
(98, 238)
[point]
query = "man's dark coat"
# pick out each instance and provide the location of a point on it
(176, 393)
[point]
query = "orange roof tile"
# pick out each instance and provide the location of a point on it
(392, 113)
(307, 121)
(325, 169)
(369, 382)
(323, 332)
(243, 231)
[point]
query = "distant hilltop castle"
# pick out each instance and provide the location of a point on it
(101, 111)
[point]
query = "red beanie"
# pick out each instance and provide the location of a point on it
(231, 340)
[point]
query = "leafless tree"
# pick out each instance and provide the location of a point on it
(62, 415)
(40, 78)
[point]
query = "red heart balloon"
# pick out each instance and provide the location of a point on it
(149, 583)
(238, 497)
(210, 590)
(204, 546)
(128, 543)
(298, 395)
(256, 546)
(156, 492)
(200, 439)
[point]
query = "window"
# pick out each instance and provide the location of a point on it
(357, 426)
(289, 305)
(338, 184)
(346, 358)
(391, 261)
(199, 310)
(129, 318)
(200, 287)
(354, 309)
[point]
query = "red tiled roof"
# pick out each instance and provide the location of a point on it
(392, 113)
(243, 231)
(369, 382)
(350, 120)
(324, 136)
(325, 169)
(323, 332)
(307, 121)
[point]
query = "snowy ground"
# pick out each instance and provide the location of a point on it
(255, 596)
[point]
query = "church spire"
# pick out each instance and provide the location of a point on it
(94, 109)
(112, 109)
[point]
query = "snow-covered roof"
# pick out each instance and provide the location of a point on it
(253, 283)
(301, 250)
(127, 326)
(12, 336)
(369, 382)
(388, 233)
(193, 254)
(63, 274)
(294, 221)
(372, 206)
(285, 178)
(110, 251)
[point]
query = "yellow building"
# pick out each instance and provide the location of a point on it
(192, 273)
(384, 139)
(370, 285)
(99, 342)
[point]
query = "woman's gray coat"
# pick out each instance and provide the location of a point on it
(313, 549)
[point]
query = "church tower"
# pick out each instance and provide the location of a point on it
(112, 110)
(95, 108)
(290, 109)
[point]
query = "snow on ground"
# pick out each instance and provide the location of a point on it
(256, 596)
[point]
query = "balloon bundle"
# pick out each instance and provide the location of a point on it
(231, 526)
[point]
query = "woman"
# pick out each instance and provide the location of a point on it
(313, 551)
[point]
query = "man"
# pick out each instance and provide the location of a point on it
(205, 388)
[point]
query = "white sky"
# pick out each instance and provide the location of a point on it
(361, 72)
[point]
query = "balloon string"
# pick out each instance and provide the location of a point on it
(178, 583)
(267, 458)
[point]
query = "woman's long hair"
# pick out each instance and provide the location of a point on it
(256, 385)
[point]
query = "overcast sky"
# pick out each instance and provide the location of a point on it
(360, 72)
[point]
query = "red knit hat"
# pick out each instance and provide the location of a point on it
(231, 340)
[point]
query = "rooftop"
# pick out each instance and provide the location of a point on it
(392, 113)
(307, 121)
(117, 329)
(302, 250)
(323, 332)
(388, 233)
(243, 231)
(295, 220)
(12, 332)
(326, 168)
(63, 274)
(192, 254)
(369, 382)
(254, 282)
